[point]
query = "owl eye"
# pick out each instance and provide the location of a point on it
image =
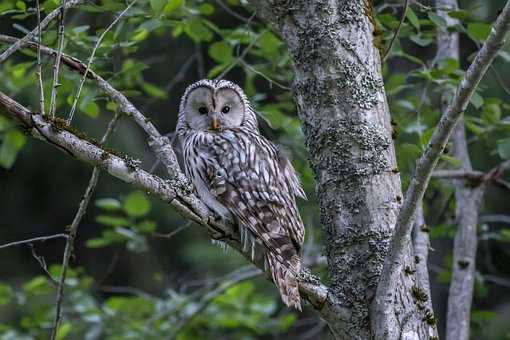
(225, 109)
(203, 110)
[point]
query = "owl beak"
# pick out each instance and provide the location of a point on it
(215, 123)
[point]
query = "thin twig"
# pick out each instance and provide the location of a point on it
(500, 80)
(44, 23)
(239, 58)
(56, 64)
(128, 290)
(231, 12)
(172, 233)
(91, 60)
(32, 240)
(401, 22)
(73, 229)
(42, 264)
(271, 81)
(39, 61)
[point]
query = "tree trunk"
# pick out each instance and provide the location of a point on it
(468, 200)
(341, 102)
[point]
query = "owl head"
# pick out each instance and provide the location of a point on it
(214, 105)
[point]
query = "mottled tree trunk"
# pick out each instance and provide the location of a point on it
(468, 200)
(341, 102)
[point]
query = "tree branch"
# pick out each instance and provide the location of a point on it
(73, 230)
(91, 60)
(397, 31)
(39, 60)
(32, 240)
(60, 135)
(58, 57)
(44, 23)
(418, 184)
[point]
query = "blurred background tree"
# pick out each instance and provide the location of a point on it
(141, 271)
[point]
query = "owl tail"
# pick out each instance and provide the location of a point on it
(285, 279)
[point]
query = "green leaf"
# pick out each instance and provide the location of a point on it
(477, 100)
(111, 106)
(503, 147)
(452, 160)
(12, 143)
(437, 20)
(421, 39)
(6, 294)
(146, 226)
(50, 5)
(98, 242)
(449, 65)
(21, 5)
(478, 30)
(91, 109)
(154, 91)
(206, 9)
(458, 14)
(157, 5)
(140, 35)
(112, 221)
(110, 204)
(38, 285)
(269, 43)
(221, 52)
(217, 70)
(136, 204)
(63, 330)
(197, 30)
(172, 5)
(413, 19)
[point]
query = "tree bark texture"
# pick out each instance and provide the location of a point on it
(341, 102)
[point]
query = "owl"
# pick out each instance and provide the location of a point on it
(244, 178)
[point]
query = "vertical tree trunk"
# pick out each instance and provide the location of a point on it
(341, 102)
(467, 201)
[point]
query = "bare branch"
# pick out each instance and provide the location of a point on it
(46, 21)
(473, 175)
(56, 64)
(32, 240)
(397, 31)
(172, 233)
(495, 219)
(232, 13)
(39, 61)
(73, 229)
(91, 60)
(427, 162)
(42, 264)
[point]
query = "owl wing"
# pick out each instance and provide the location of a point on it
(250, 179)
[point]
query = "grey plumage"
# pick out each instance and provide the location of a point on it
(242, 177)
